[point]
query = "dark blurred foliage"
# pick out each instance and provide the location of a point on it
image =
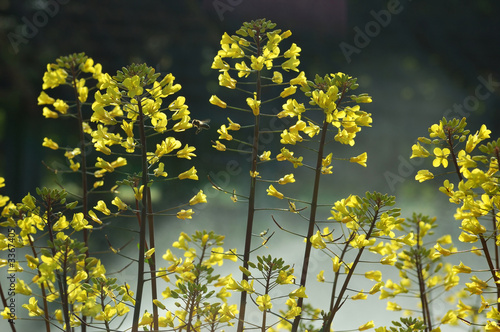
(454, 41)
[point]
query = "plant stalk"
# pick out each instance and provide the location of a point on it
(142, 230)
(251, 199)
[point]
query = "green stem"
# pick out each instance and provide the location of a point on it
(84, 172)
(421, 285)
(142, 231)
(491, 267)
(266, 291)
(11, 321)
(42, 287)
(312, 220)
(152, 259)
(61, 282)
(453, 156)
(251, 198)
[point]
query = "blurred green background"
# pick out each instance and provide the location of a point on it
(425, 60)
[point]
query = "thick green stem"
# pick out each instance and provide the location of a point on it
(142, 231)
(251, 198)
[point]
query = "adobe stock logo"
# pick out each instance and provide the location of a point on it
(222, 6)
(362, 39)
(31, 27)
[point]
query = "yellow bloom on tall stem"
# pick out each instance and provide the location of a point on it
(254, 105)
(271, 191)
(189, 174)
(214, 100)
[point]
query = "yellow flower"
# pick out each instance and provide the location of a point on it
(418, 151)
(79, 222)
(53, 78)
(366, 326)
(219, 146)
(147, 319)
(461, 268)
(317, 241)
(185, 214)
(361, 159)
(232, 125)
(271, 191)
(441, 157)
(287, 179)
(288, 91)
(277, 78)
(299, 292)
(392, 306)
(254, 105)
(138, 192)
(374, 275)
(243, 70)
(293, 51)
(6, 314)
(44, 98)
(360, 296)
(424, 175)
(222, 131)
(227, 81)
(119, 203)
(200, 197)
(214, 100)
(218, 63)
(189, 174)
(186, 152)
(33, 308)
(257, 63)
(264, 302)
(160, 170)
(265, 156)
(47, 142)
(299, 80)
(49, 114)
(320, 277)
(291, 64)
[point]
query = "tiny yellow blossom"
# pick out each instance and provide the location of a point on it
(185, 214)
(361, 159)
(189, 174)
(44, 99)
(424, 175)
(254, 105)
(214, 100)
(265, 156)
(271, 191)
(288, 91)
(277, 78)
(219, 146)
(47, 142)
(441, 157)
(264, 302)
(367, 326)
(200, 197)
(289, 178)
